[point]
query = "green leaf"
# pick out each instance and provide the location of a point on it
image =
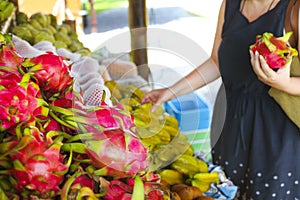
(2, 195)
(19, 166)
(266, 39)
(75, 147)
(25, 80)
(73, 127)
(138, 189)
(61, 110)
(286, 36)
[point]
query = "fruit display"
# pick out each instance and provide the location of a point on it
(55, 147)
(275, 50)
(43, 27)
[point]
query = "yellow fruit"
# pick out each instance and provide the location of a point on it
(173, 131)
(207, 177)
(135, 92)
(189, 151)
(171, 121)
(164, 135)
(201, 185)
(204, 180)
(189, 165)
(171, 176)
(112, 86)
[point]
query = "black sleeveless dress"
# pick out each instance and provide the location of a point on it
(259, 147)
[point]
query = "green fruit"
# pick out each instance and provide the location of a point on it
(52, 19)
(64, 28)
(171, 176)
(52, 29)
(46, 30)
(84, 52)
(41, 18)
(41, 36)
(75, 45)
(7, 11)
(60, 44)
(23, 33)
(60, 36)
(21, 18)
(3, 4)
(35, 23)
(32, 30)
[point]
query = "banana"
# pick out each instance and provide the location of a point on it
(189, 165)
(130, 101)
(171, 121)
(189, 151)
(164, 135)
(207, 177)
(134, 92)
(204, 180)
(151, 141)
(171, 176)
(173, 131)
(112, 86)
(201, 185)
(141, 120)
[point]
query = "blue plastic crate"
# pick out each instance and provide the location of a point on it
(191, 112)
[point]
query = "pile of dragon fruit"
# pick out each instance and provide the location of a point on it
(52, 146)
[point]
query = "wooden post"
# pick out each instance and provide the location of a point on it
(137, 20)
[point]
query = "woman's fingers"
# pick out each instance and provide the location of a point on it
(261, 68)
(268, 72)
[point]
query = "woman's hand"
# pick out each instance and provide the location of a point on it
(158, 96)
(278, 79)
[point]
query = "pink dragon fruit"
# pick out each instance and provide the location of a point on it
(275, 50)
(50, 71)
(38, 166)
(111, 118)
(117, 153)
(19, 101)
(8, 55)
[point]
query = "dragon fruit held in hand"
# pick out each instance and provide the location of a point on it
(275, 50)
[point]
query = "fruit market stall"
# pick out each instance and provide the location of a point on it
(70, 130)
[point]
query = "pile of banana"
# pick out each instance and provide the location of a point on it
(191, 171)
(6, 9)
(172, 155)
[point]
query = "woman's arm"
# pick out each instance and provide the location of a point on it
(207, 71)
(203, 74)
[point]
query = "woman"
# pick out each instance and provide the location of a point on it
(259, 147)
